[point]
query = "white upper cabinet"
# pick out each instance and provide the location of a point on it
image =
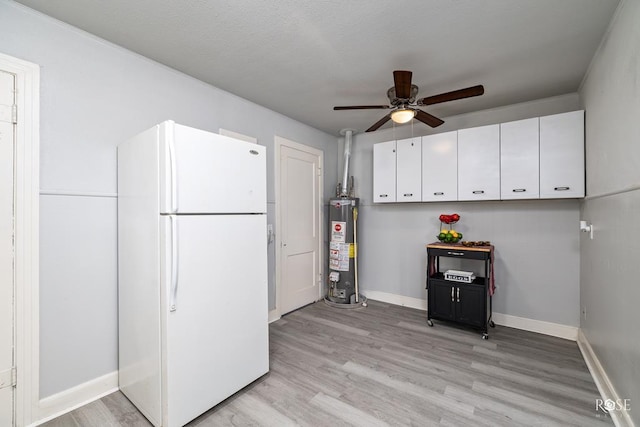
(384, 172)
(479, 163)
(408, 170)
(538, 158)
(562, 155)
(440, 167)
(519, 177)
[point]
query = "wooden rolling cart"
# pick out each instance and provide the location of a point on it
(464, 303)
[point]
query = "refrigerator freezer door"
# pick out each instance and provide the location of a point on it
(203, 172)
(217, 337)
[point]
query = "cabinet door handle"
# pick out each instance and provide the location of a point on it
(458, 295)
(438, 193)
(478, 192)
(384, 195)
(561, 188)
(455, 253)
(408, 194)
(519, 190)
(452, 299)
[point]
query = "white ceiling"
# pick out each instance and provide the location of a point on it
(302, 57)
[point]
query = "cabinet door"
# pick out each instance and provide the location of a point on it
(562, 155)
(440, 167)
(479, 163)
(441, 300)
(471, 304)
(519, 168)
(408, 170)
(384, 172)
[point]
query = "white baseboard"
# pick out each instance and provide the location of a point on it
(274, 315)
(66, 401)
(539, 326)
(600, 377)
(418, 303)
(532, 325)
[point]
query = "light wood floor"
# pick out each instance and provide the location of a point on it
(384, 366)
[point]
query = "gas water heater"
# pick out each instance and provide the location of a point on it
(343, 216)
(343, 291)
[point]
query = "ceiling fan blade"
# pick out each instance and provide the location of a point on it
(428, 119)
(452, 96)
(379, 123)
(362, 107)
(402, 81)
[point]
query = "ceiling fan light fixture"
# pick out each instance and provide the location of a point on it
(403, 115)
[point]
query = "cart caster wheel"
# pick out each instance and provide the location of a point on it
(430, 323)
(485, 336)
(492, 324)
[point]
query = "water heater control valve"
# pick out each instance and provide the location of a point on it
(334, 276)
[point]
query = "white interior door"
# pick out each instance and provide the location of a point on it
(300, 215)
(7, 136)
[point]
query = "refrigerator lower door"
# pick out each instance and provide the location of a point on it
(215, 308)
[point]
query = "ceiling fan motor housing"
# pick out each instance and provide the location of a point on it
(394, 100)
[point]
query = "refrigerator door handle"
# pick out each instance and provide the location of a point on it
(174, 188)
(174, 264)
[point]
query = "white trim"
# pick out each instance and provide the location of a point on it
(418, 303)
(278, 143)
(27, 235)
(600, 377)
(532, 325)
(66, 401)
(77, 193)
(614, 193)
(274, 315)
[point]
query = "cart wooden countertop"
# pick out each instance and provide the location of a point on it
(440, 245)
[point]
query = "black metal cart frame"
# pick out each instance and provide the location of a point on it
(463, 303)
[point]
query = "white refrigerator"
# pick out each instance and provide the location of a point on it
(192, 270)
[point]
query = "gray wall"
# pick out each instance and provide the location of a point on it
(537, 242)
(609, 290)
(94, 95)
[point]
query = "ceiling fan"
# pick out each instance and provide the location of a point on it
(402, 97)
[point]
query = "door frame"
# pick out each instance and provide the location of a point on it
(26, 229)
(279, 142)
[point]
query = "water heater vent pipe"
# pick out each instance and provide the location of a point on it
(348, 134)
